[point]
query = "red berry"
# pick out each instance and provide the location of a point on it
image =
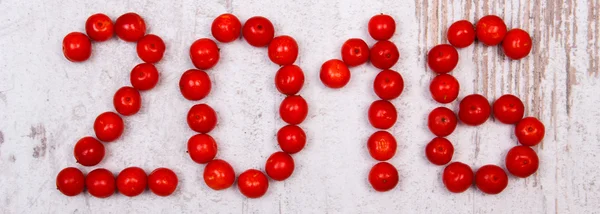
(204, 53)
(382, 27)
(88, 151)
(530, 131)
(355, 52)
(289, 79)
(439, 151)
(202, 148)
(291, 139)
(384, 54)
(99, 27)
(474, 110)
(442, 58)
(383, 176)
(162, 181)
(444, 88)
(144, 76)
(194, 84)
(100, 183)
(461, 34)
(70, 181)
(150, 48)
(490, 30)
(132, 181)
(522, 161)
(130, 27)
(77, 47)
(516, 44)
(491, 179)
(457, 177)
(258, 31)
(388, 84)
(226, 28)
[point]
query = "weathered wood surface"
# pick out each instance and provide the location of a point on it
(47, 103)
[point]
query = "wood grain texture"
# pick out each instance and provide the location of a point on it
(48, 103)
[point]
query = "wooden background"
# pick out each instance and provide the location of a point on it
(48, 103)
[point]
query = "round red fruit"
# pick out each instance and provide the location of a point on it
(100, 183)
(384, 54)
(253, 183)
(293, 109)
(491, 179)
(334, 73)
(144, 76)
(388, 84)
(291, 138)
(194, 84)
(444, 88)
(218, 174)
(490, 30)
(461, 34)
(202, 148)
(226, 28)
(70, 181)
(382, 114)
(132, 181)
(508, 109)
(150, 48)
(108, 126)
(383, 176)
(283, 50)
(88, 151)
(162, 181)
(474, 110)
(530, 131)
(127, 101)
(279, 166)
(382, 145)
(457, 177)
(130, 27)
(516, 44)
(202, 118)
(355, 52)
(442, 58)
(99, 27)
(258, 31)
(382, 27)
(522, 161)
(77, 47)
(439, 151)
(204, 53)
(289, 79)
(442, 121)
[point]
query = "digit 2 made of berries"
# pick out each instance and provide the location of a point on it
(108, 126)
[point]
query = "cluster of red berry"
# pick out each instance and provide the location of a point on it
(109, 126)
(388, 85)
(131, 181)
(474, 109)
(195, 85)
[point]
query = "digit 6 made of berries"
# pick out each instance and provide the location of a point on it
(108, 126)
(521, 161)
(195, 84)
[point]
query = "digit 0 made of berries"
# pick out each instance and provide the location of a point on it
(195, 84)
